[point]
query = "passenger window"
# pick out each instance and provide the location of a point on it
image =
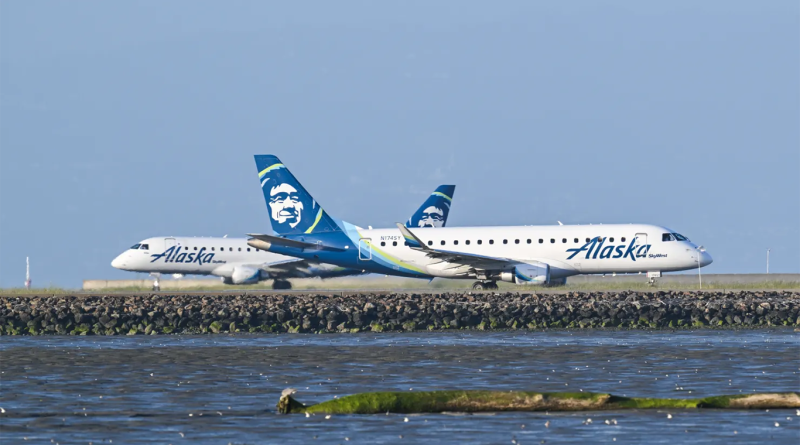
(576, 240)
(541, 241)
(564, 240)
(480, 242)
(505, 241)
(611, 239)
(240, 249)
(195, 247)
(622, 239)
(430, 243)
(491, 241)
(248, 249)
(667, 237)
(467, 241)
(552, 240)
(383, 243)
(442, 243)
(588, 240)
(230, 249)
(529, 240)
(212, 249)
(455, 243)
(516, 241)
(394, 243)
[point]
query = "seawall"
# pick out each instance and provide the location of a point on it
(382, 312)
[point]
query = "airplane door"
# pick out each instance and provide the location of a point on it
(641, 239)
(364, 249)
(168, 242)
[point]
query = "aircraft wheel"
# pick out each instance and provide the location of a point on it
(492, 285)
(281, 285)
(479, 285)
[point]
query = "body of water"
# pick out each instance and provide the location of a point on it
(223, 388)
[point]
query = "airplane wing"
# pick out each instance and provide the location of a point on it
(300, 268)
(467, 259)
(288, 242)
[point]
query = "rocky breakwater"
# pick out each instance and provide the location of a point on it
(382, 312)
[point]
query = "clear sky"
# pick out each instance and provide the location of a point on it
(125, 120)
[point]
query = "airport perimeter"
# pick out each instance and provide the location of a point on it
(377, 282)
(354, 312)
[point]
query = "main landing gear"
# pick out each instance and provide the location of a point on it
(484, 285)
(281, 285)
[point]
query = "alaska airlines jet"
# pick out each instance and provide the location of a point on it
(517, 254)
(236, 262)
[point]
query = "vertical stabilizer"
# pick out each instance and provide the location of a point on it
(435, 209)
(292, 210)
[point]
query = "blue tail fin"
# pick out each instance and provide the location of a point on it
(292, 210)
(435, 209)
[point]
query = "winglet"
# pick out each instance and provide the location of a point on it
(411, 239)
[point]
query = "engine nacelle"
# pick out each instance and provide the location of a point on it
(528, 273)
(243, 275)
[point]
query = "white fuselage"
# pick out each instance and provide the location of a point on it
(193, 256)
(567, 249)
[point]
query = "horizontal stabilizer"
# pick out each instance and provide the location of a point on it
(263, 241)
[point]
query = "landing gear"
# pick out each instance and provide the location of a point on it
(281, 285)
(156, 281)
(484, 285)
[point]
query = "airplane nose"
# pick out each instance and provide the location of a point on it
(705, 259)
(118, 262)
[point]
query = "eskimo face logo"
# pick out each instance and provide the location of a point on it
(432, 217)
(285, 205)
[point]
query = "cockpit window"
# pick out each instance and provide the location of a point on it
(145, 247)
(135, 246)
(680, 237)
(667, 237)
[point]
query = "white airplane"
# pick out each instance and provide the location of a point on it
(518, 254)
(233, 260)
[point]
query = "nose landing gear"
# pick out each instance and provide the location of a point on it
(156, 281)
(484, 285)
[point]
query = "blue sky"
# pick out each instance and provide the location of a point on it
(125, 120)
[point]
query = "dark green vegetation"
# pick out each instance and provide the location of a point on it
(493, 401)
(384, 312)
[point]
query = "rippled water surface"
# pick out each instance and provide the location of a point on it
(223, 389)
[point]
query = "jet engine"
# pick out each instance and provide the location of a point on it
(535, 273)
(243, 275)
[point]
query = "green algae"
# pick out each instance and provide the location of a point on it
(495, 401)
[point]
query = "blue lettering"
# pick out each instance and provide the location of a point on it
(166, 253)
(598, 248)
(630, 249)
(199, 258)
(190, 258)
(594, 249)
(208, 258)
(580, 249)
(180, 258)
